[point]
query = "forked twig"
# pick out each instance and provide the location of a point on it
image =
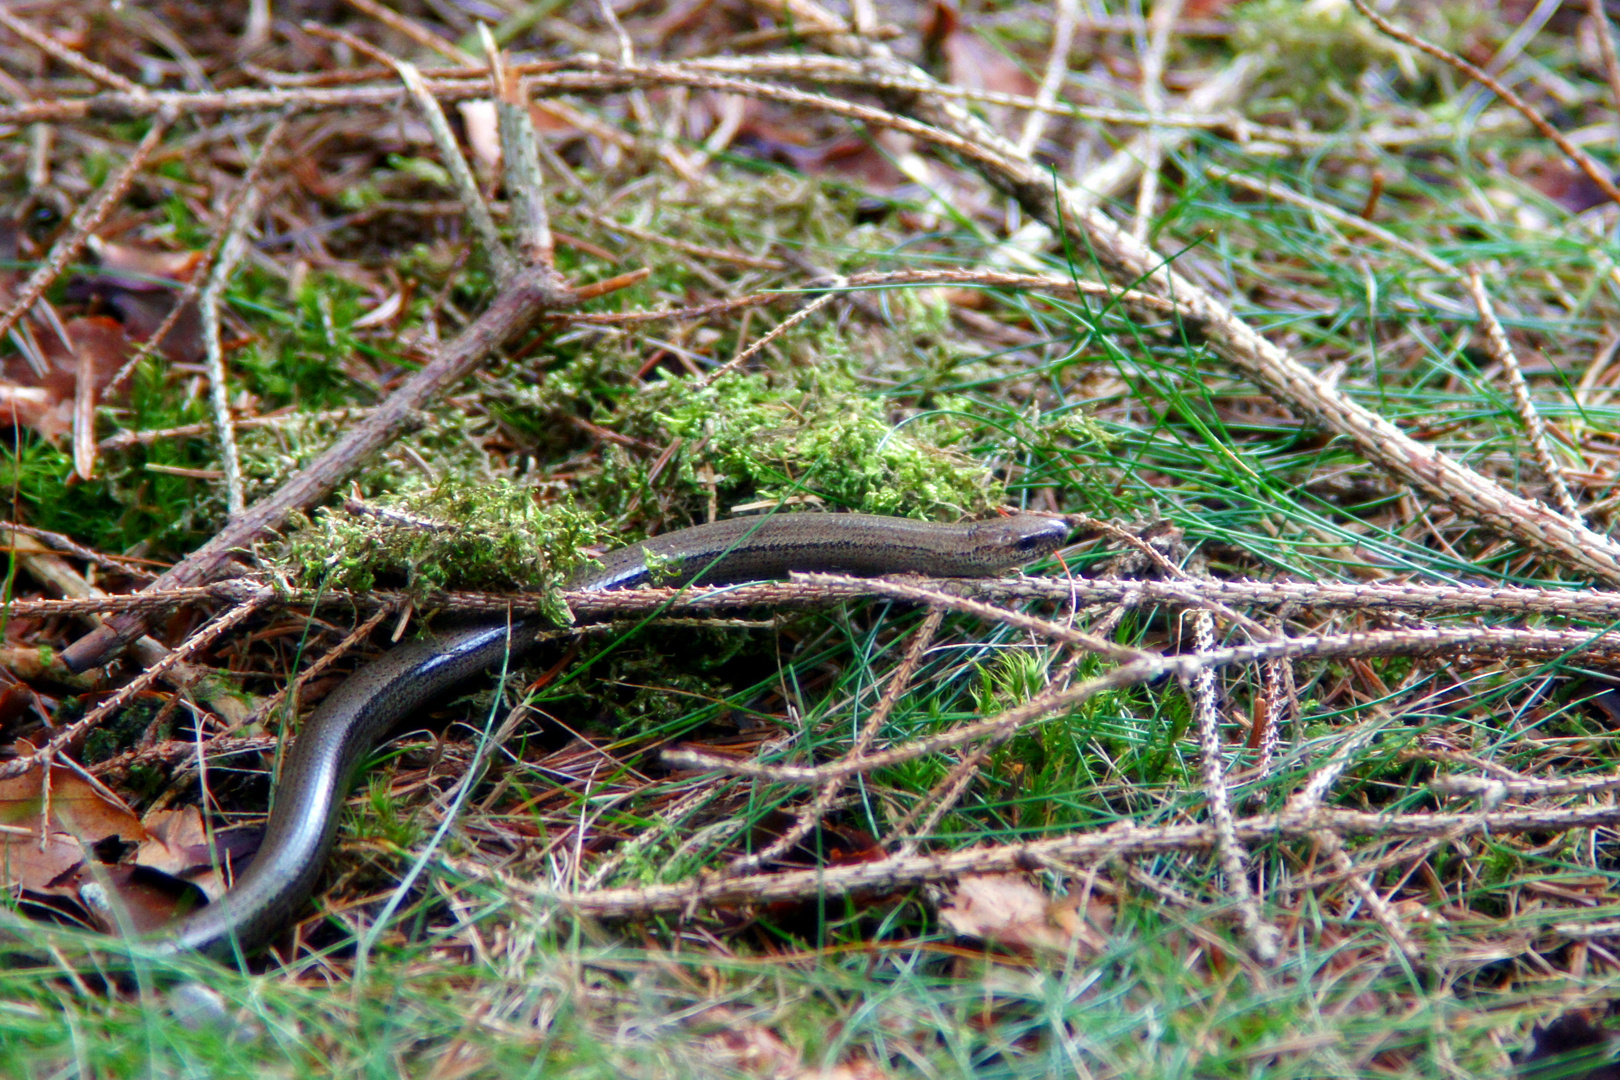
(512, 311)
(197, 641)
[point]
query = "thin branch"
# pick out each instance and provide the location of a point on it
(1423, 641)
(1604, 33)
(69, 57)
(1264, 940)
(1065, 19)
(1585, 162)
(195, 643)
(1147, 190)
(1497, 344)
(1239, 343)
(466, 185)
(810, 816)
(942, 798)
(1355, 222)
(86, 221)
(513, 311)
(520, 155)
(209, 302)
(1116, 842)
(754, 350)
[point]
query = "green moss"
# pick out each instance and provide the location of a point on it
(119, 731)
(489, 535)
(1318, 51)
(304, 365)
(752, 438)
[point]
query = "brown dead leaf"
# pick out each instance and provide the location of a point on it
(831, 844)
(140, 306)
(101, 349)
(96, 347)
(32, 407)
(859, 1069)
(178, 846)
(176, 841)
(549, 120)
(116, 897)
(145, 263)
(478, 121)
(747, 1047)
(1588, 890)
(869, 161)
(82, 814)
(140, 895)
(99, 346)
(138, 287)
(1008, 910)
(973, 63)
(1207, 9)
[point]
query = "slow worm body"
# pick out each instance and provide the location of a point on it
(319, 768)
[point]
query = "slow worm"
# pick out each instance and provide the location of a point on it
(319, 768)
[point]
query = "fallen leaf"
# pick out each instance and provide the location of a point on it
(44, 400)
(127, 897)
(176, 841)
(478, 121)
(860, 1069)
(178, 845)
(973, 63)
(871, 161)
(382, 313)
(1008, 910)
(34, 408)
(829, 844)
(82, 815)
(746, 1047)
(100, 349)
(153, 267)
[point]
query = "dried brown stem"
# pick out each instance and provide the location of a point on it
(1244, 348)
(1420, 641)
(1263, 939)
(513, 311)
(1604, 32)
(1585, 162)
(1497, 344)
(68, 57)
(810, 816)
(1123, 841)
(86, 221)
(76, 730)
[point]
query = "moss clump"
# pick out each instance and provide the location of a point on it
(1317, 52)
(490, 535)
(745, 437)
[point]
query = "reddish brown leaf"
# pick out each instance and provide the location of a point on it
(82, 814)
(178, 846)
(970, 61)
